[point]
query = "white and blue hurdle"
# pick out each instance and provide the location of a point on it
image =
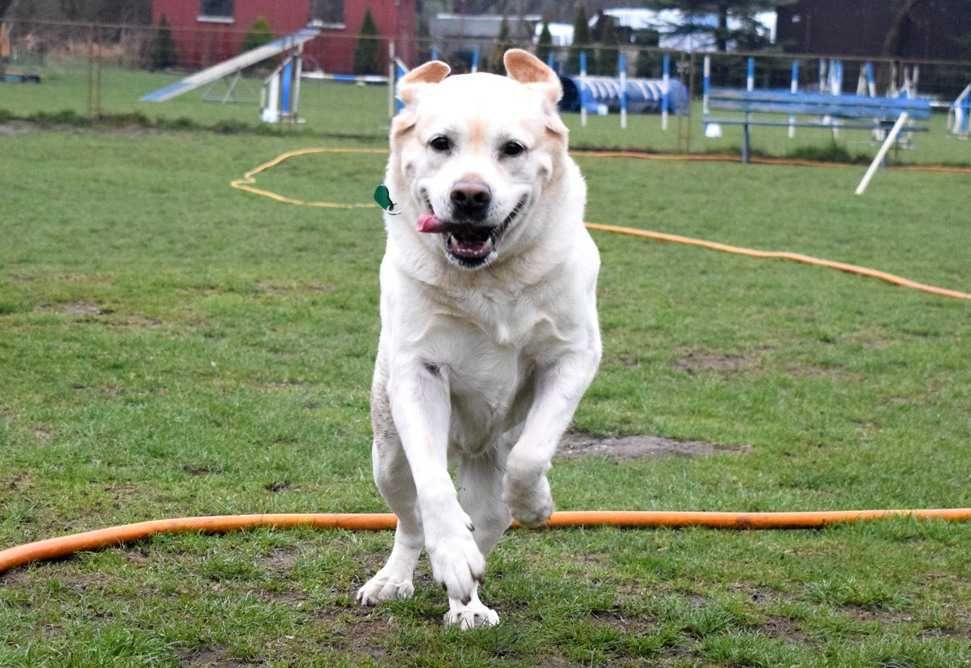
(866, 83)
(280, 95)
(959, 115)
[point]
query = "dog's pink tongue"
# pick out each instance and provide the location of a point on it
(427, 222)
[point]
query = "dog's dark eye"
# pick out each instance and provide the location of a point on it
(512, 148)
(441, 143)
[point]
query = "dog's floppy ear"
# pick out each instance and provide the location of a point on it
(431, 72)
(409, 86)
(524, 67)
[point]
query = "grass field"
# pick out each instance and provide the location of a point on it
(340, 109)
(170, 346)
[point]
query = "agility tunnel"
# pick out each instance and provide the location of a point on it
(603, 94)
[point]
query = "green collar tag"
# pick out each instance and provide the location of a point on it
(383, 198)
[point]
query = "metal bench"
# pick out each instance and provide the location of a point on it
(864, 113)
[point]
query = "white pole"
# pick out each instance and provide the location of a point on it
(882, 153)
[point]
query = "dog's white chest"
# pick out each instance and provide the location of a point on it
(491, 361)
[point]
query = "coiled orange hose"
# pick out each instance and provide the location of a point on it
(64, 546)
(248, 184)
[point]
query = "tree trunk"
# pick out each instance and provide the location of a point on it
(721, 37)
(892, 41)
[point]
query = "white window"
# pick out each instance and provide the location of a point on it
(216, 11)
(327, 13)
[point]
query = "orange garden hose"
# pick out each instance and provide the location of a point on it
(65, 546)
(248, 184)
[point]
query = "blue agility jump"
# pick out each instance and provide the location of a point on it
(886, 116)
(815, 104)
(873, 113)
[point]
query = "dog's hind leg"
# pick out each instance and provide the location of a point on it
(394, 480)
(480, 494)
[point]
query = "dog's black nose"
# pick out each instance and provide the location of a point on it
(471, 199)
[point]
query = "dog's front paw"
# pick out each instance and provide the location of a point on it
(471, 616)
(385, 587)
(457, 564)
(530, 504)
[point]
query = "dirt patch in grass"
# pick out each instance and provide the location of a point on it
(634, 624)
(293, 287)
(695, 362)
(365, 633)
(783, 628)
(75, 309)
(280, 560)
(14, 128)
(42, 435)
(576, 444)
(207, 656)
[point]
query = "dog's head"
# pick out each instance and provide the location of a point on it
(473, 153)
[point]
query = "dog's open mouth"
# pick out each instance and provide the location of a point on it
(470, 245)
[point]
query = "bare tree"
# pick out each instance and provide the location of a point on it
(904, 13)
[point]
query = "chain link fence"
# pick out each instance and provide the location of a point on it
(71, 70)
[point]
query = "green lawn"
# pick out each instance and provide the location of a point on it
(340, 109)
(170, 346)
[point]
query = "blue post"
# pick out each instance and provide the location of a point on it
(793, 88)
(665, 90)
(551, 60)
(434, 53)
(871, 80)
(750, 75)
(836, 77)
(622, 76)
(475, 58)
(706, 86)
(583, 88)
(399, 72)
(286, 83)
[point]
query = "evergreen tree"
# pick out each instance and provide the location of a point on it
(648, 62)
(367, 54)
(545, 44)
(503, 44)
(581, 42)
(162, 53)
(750, 35)
(258, 34)
(606, 38)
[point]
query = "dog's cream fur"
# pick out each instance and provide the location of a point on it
(482, 367)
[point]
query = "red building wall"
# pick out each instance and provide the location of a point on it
(203, 43)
